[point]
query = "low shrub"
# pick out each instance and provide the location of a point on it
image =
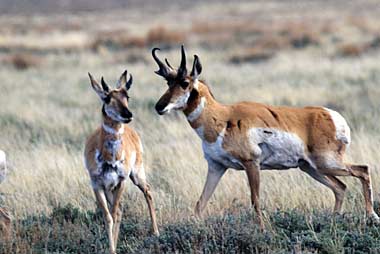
(69, 230)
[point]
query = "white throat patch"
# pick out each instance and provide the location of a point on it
(197, 111)
(112, 130)
(196, 84)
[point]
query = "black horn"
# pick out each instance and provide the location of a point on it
(164, 71)
(182, 71)
(168, 64)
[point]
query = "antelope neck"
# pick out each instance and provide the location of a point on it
(111, 151)
(199, 101)
(117, 130)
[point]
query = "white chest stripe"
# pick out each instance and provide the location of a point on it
(197, 111)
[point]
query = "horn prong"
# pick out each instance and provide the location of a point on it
(163, 69)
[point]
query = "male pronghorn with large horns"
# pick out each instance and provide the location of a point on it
(252, 137)
(113, 153)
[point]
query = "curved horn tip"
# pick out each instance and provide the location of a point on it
(155, 49)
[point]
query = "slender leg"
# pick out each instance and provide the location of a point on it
(214, 174)
(140, 181)
(362, 173)
(253, 174)
(338, 192)
(117, 210)
(102, 202)
(337, 186)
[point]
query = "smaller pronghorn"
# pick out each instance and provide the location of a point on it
(113, 153)
(252, 137)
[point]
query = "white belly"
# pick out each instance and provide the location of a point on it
(277, 149)
(215, 152)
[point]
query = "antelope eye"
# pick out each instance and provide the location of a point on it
(185, 84)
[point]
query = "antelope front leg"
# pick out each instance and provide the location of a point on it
(117, 210)
(141, 183)
(102, 202)
(214, 174)
(253, 174)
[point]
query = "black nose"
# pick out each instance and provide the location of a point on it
(126, 114)
(160, 108)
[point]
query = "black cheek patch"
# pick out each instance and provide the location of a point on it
(107, 99)
(193, 95)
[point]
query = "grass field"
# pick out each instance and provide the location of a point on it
(293, 53)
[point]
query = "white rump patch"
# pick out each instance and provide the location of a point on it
(277, 149)
(197, 111)
(341, 127)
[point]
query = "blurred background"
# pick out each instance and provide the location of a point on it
(281, 52)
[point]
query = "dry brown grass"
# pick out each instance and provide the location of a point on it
(5, 224)
(117, 39)
(253, 55)
(161, 35)
(23, 61)
(230, 26)
(123, 39)
(351, 50)
(359, 48)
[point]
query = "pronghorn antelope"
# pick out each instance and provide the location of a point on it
(113, 153)
(252, 137)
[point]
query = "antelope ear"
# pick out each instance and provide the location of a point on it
(197, 68)
(129, 83)
(122, 80)
(101, 90)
